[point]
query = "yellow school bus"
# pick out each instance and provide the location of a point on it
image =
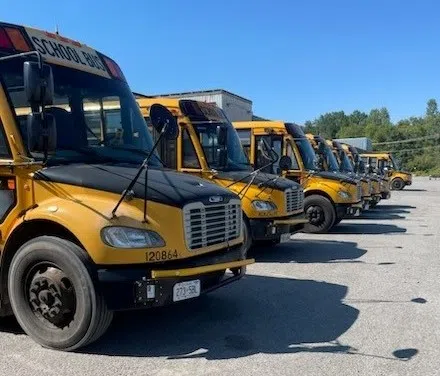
(385, 163)
(208, 147)
(380, 182)
(90, 222)
(346, 167)
(329, 197)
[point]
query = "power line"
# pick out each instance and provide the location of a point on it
(407, 140)
(415, 149)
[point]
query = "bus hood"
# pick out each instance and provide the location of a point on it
(335, 176)
(262, 179)
(164, 186)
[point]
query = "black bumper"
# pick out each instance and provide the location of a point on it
(266, 229)
(385, 195)
(346, 210)
(129, 287)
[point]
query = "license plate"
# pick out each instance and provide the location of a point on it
(186, 290)
(285, 238)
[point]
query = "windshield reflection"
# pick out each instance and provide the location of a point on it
(97, 119)
(207, 133)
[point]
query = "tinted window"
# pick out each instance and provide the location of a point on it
(190, 159)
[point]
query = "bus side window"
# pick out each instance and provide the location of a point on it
(245, 138)
(167, 149)
(292, 156)
(189, 155)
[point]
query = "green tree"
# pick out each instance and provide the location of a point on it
(431, 107)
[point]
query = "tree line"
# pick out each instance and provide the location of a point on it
(413, 141)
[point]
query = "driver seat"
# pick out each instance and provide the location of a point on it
(69, 136)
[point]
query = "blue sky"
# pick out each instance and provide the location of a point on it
(293, 59)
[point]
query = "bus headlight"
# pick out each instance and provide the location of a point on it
(128, 237)
(260, 205)
(343, 194)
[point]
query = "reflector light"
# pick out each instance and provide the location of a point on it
(4, 40)
(11, 184)
(17, 39)
(114, 69)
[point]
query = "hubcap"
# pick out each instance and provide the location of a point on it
(315, 215)
(52, 296)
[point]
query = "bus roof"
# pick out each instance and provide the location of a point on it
(278, 125)
(56, 49)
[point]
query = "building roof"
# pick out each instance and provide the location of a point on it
(203, 92)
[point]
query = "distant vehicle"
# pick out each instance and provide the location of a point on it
(385, 162)
(329, 196)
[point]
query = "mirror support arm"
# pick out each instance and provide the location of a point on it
(135, 179)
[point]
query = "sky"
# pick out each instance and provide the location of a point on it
(294, 59)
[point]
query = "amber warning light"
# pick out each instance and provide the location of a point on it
(12, 39)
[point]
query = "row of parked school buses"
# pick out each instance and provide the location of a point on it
(110, 202)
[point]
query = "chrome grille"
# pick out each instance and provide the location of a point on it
(207, 225)
(359, 191)
(294, 199)
(370, 187)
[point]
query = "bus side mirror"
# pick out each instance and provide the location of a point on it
(41, 131)
(285, 163)
(164, 121)
(222, 136)
(38, 83)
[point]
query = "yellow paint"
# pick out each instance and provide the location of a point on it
(200, 269)
(310, 182)
(252, 193)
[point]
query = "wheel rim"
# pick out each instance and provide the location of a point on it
(397, 184)
(315, 215)
(50, 295)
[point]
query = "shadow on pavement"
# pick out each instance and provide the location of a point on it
(377, 215)
(414, 190)
(366, 228)
(309, 251)
(395, 207)
(255, 315)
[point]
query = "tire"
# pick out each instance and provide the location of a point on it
(247, 234)
(397, 184)
(51, 272)
(321, 214)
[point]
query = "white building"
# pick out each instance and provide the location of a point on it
(236, 107)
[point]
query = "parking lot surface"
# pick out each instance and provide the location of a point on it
(362, 300)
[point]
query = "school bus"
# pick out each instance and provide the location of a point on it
(380, 182)
(90, 222)
(329, 197)
(346, 167)
(208, 146)
(385, 163)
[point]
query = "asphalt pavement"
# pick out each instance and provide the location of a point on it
(362, 300)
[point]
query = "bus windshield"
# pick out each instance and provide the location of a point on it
(307, 153)
(327, 154)
(97, 119)
(345, 165)
(236, 158)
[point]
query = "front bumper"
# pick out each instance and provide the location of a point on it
(272, 229)
(366, 202)
(408, 182)
(377, 197)
(147, 286)
(349, 210)
(385, 195)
